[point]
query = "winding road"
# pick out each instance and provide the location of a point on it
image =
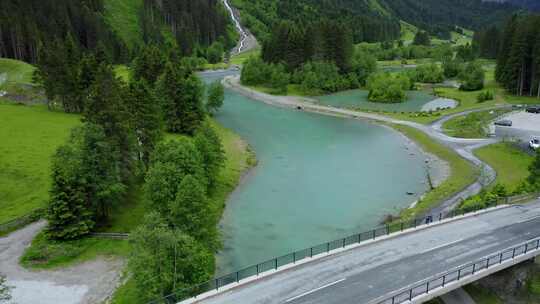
(464, 147)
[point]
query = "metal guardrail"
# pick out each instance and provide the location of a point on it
(321, 249)
(110, 235)
(460, 273)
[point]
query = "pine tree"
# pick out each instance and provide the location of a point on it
(181, 96)
(149, 65)
(211, 150)
(69, 215)
(146, 118)
(191, 212)
(216, 95)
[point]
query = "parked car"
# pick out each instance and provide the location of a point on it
(534, 143)
(534, 110)
(504, 123)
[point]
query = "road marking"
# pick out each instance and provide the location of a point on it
(441, 246)
(314, 290)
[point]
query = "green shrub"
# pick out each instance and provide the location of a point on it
(484, 96)
(388, 88)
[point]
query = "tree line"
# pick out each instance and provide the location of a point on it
(518, 59)
(26, 27)
(31, 27)
(261, 16)
(122, 141)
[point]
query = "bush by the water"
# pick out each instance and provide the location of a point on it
(452, 68)
(258, 73)
(428, 73)
(388, 88)
(472, 77)
(484, 96)
(320, 77)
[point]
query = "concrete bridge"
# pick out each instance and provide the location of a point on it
(412, 266)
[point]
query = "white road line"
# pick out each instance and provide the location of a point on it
(441, 246)
(314, 290)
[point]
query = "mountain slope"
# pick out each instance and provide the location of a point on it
(529, 4)
(374, 20)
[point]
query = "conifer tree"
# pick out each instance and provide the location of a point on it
(146, 118)
(209, 144)
(181, 95)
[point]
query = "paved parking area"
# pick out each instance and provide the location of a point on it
(524, 126)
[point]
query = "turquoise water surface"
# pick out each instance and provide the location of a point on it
(318, 178)
(359, 99)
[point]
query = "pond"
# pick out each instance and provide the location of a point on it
(359, 99)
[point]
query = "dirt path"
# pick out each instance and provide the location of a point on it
(463, 146)
(87, 283)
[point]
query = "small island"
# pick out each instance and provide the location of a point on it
(388, 88)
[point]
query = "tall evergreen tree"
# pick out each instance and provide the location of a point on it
(146, 118)
(181, 95)
(149, 65)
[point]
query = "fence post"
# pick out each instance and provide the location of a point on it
(526, 247)
(237, 277)
(443, 280)
(217, 284)
(387, 229)
(311, 252)
(344, 242)
(414, 223)
(374, 233)
(359, 237)
(500, 259)
(473, 268)
(513, 253)
(275, 261)
(459, 274)
(440, 216)
(328, 247)
(401, 226)
(427, 287)
(294, 257)
(257, 269)
(537, 243)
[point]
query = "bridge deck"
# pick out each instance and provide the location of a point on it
(369, 272)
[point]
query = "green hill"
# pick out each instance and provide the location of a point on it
(124, 18)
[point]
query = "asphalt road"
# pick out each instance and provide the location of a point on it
(366, 273)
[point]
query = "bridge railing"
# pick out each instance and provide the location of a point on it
(292, 258)
(408, 294)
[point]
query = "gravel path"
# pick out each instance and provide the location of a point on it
(87, 283)
(463, 146)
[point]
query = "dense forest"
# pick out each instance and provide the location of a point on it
(376, 20)
(192, 23)
(518, 59)
(366, 23)
(432, 15)
(27, 26)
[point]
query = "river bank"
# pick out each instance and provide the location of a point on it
(461, 149)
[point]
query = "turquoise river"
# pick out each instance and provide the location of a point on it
(318, 178)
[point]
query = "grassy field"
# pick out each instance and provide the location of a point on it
(240, 58)
(16, 72)
(510, 162)
(29, 136)
(472, 125)
(47, 254)
(462, 174)
(123, 17)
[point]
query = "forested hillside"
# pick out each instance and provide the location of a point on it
(374, 20)
(529, 4)
(26, 25)
(518, 63)
(368, 21)
(120, 26)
